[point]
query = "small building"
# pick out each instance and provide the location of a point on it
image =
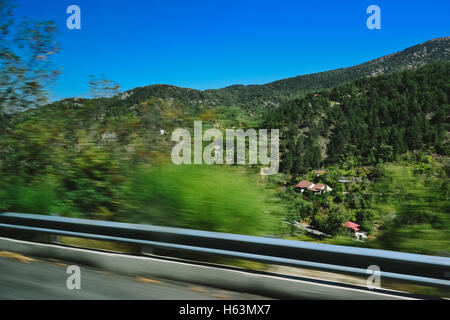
(319, 172)
(361, 236)
(316, 188)
(321, 188)
(353, 229)
(351, 226)
(304, 185)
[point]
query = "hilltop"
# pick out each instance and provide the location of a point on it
(273, 93)
(411, 58)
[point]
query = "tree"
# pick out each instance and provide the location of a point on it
(101, 87)
(26, 48)
(386, 152)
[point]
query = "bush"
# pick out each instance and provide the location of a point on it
(38, 198)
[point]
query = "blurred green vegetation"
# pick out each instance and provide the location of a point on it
(197, 197)
(202, 197)
(416, 207)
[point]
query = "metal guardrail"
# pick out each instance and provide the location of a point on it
(405, 267)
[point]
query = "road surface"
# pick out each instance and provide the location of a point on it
(25, 278)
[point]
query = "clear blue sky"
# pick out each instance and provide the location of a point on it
(212, 44)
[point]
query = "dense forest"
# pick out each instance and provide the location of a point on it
(371, 120)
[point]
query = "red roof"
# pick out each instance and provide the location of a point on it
(318, 186)
(352, 225)
(304, 184)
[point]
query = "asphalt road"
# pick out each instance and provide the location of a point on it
(21, 278)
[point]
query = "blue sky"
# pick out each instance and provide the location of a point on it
(213, 44)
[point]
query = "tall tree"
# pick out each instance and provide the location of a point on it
(26, 70)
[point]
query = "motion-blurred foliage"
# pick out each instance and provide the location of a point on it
(195, 197)
(109, 170)
(416, 209)
(201, 197)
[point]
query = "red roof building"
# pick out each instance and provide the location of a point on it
(318, 187)
(304, 185)
(351, 225)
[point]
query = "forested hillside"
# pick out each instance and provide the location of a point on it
(410, 58)
(261, 97)
(370, 120)
(382, 145)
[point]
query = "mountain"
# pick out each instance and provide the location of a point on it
(144, 111)
(411, 58)
(282, 90)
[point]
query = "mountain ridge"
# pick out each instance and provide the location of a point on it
(380, 59)
(265, 96)
(431, 51)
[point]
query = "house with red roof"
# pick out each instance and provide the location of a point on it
(321, 188)
(351, 225)
(316, 188)
(304, 185)
(353, 229)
